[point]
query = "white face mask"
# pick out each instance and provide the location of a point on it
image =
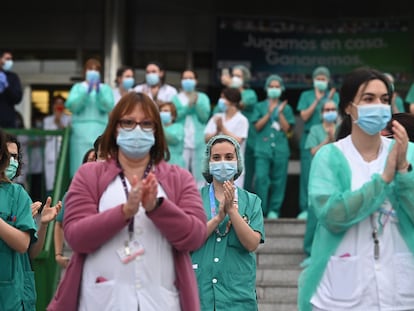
(236, 82)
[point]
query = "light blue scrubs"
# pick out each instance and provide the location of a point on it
(89, 118)
(174, 134)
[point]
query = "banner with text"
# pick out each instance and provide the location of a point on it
(293, 48)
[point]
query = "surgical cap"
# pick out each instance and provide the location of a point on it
(275, 78)
(206, 161)
(246, 72)
(321, 71)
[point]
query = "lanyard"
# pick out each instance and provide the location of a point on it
(213, 208)
(122, 176)
(375, 237)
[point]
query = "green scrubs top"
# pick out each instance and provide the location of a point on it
(269, 141)
(399, 103)
(17, 285)
(305, 101)
(174, 134)
(225, 270)
(272, 154)
(249, 100)
(410, 95)
(199, 114)
(317, 135)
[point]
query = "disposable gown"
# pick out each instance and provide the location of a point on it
(337, 209)
(89, 118)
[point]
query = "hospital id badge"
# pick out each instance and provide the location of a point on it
(130, 251)
(276, 125)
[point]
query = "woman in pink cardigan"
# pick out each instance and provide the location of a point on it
(132, 221)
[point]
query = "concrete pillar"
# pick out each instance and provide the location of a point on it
(113, 38)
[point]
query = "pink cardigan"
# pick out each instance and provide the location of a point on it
(180, 218)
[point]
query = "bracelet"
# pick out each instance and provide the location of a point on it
(406, 169)
(58, 254)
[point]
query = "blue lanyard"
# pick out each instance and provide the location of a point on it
(213, 208)
(213, 205)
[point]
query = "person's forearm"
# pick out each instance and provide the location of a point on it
(58, 238)
(36, 248)
(14, 238)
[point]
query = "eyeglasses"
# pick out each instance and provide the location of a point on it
(330, 109)
(129, 125)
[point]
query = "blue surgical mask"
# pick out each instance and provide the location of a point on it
(274, 92)
(223, 170)
(372, 118)
(92, 76)
(320, 85)
(165, 117)
(12, 168)
(236, 82)
(8, 64)
(127, 83)
(221, 104)
(330, 116)
(152, 78)
(188, 85)
(136, 143)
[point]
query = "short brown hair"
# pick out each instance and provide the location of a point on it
(173, 109)
(92, 62)
(109, 147)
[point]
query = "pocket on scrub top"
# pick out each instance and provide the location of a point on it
(100, 296)
(344, 278)
(8, 261)
(404, 266)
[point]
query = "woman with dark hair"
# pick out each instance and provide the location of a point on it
(240, 79)
(225, 265)
(132, 206)
(229, 122)
(17, 233)
(124, 82)
(155, 86)
(361, 189)
(406, 119)
(43, 216)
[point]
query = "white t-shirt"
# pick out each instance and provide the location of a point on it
(165, 93)
(237, 124)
